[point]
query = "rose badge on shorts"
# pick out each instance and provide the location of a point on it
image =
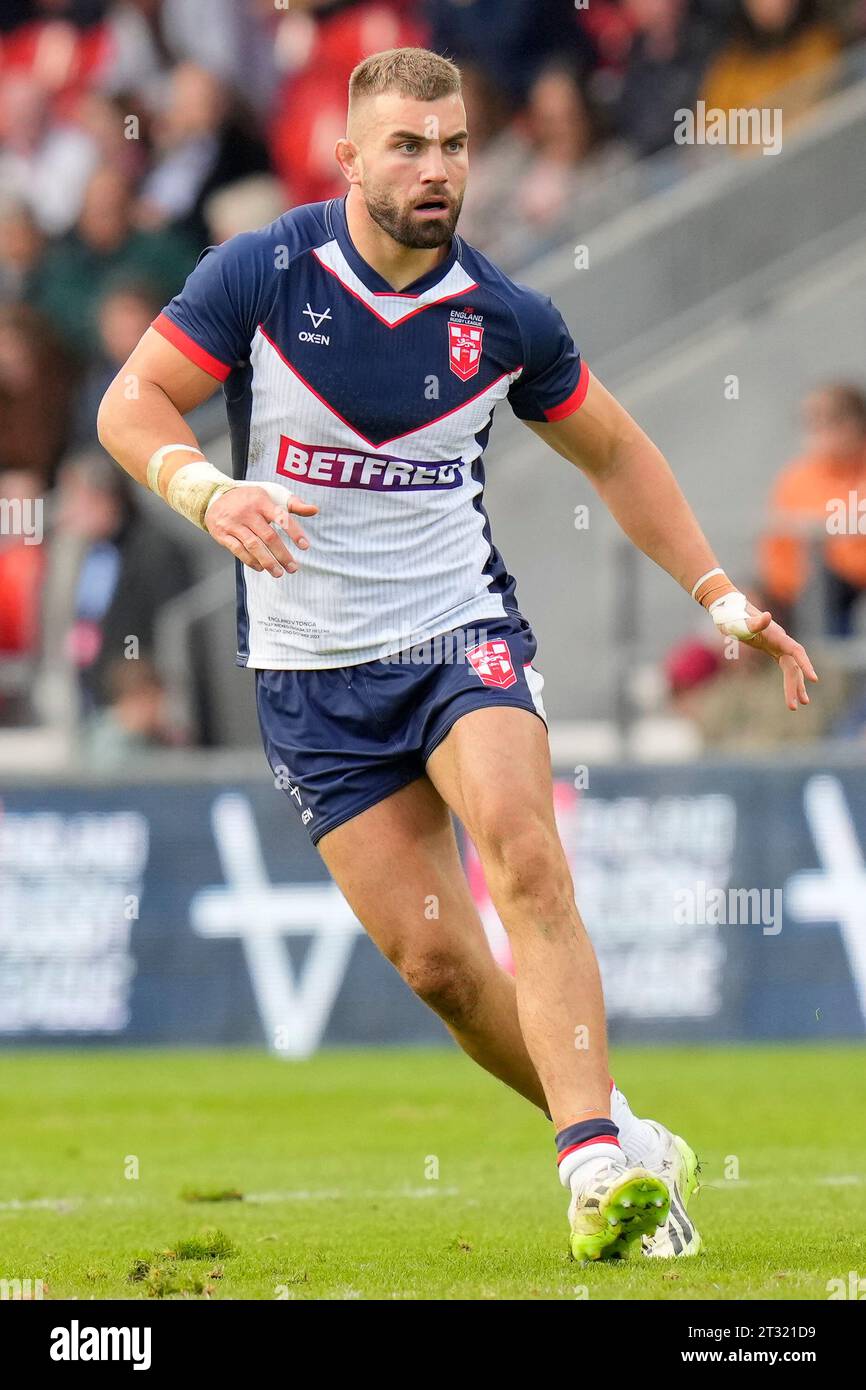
(492, 663)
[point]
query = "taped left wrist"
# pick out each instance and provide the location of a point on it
(711, 586)
(730, 615)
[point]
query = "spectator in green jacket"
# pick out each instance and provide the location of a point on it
(105, 248)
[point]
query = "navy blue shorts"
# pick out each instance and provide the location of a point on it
(341, 739)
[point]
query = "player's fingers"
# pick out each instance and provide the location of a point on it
(790, 683)
(800, 685)
(274, 543)
(757, 622)
(280, 498)
(259, 551)
(239, 551)
(776, 642)
(282, 518)
(785, 646)
(795, 685)
(801, 656)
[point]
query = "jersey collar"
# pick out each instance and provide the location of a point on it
(370, 277)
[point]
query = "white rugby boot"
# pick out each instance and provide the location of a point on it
(613, 1207)
(677, 1165)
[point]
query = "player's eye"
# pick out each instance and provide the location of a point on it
(410, 145)
(456, 145)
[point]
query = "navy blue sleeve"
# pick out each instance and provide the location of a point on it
(554, 380)
(213, 318)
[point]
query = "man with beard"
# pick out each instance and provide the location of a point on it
(363, 346)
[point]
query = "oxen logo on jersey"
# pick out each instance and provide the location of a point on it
(317, 319)
(492, 663)
(464, 349)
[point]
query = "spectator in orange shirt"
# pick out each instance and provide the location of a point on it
(817, 488)
(781, 53)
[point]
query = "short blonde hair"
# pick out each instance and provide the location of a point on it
(413, 72)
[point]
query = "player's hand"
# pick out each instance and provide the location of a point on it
(770, 637)
(243, 520)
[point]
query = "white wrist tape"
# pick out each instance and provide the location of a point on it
(157, 458)
(729, 615)
(709, 574)
(194, 488)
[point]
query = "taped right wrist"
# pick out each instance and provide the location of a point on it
(193, 488)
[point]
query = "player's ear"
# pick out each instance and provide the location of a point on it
(348, 157)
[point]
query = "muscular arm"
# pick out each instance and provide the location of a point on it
(144, 406)
(143, 411)
(635, 482)
(639, 489)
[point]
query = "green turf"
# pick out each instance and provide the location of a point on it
(335, 1161)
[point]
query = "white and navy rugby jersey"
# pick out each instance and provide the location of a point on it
(376, 406)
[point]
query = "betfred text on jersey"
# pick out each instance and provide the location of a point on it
(313, 463)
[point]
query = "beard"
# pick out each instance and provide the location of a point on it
(407, 229)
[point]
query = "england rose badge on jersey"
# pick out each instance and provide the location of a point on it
(492, 662)
(464, 349)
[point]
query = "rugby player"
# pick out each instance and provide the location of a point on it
(362, 347)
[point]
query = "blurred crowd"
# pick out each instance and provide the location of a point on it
(810, 573)
(135, 132)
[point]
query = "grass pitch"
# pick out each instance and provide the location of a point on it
(408, 1174)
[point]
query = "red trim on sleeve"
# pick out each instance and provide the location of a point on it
(572, 402)
(189, 347)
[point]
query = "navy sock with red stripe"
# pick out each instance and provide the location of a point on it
(584, 1141)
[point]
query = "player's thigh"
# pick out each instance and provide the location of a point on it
(493, 769)
(398, 866)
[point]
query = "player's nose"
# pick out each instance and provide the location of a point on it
(433, 168)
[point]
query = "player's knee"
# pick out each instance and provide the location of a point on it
(523, 860)
(445, 983)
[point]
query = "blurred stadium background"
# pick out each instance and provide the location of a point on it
(154, 886)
